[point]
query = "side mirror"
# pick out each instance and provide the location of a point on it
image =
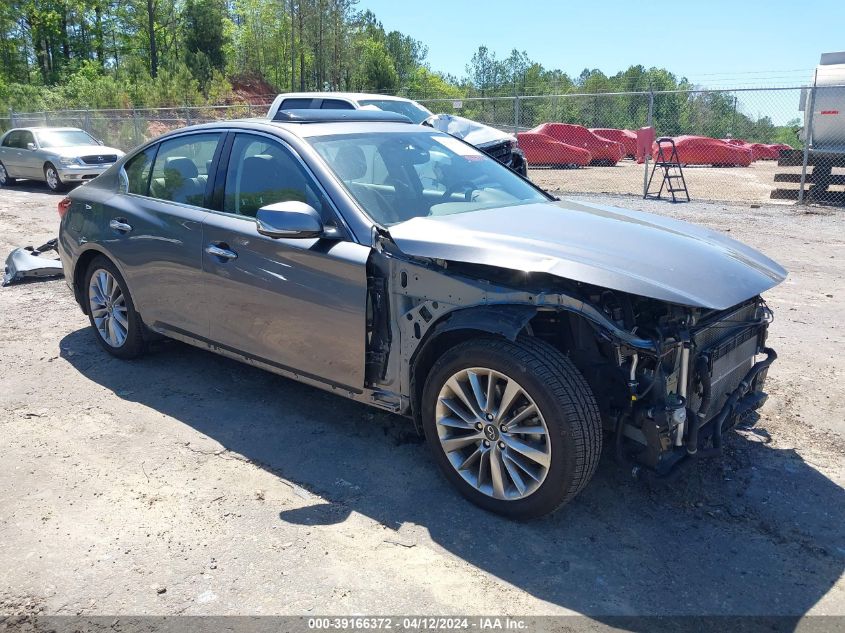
(291, 219)
(31, 146)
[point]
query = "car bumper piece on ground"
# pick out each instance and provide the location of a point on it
(28, 263)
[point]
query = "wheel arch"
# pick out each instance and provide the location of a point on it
(83, 261)
(501, 321)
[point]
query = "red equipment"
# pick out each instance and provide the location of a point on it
(626, 137)
(703, 150)
(542, 150)
(604, 151)
(645, 139)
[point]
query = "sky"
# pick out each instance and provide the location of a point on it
(715, 43)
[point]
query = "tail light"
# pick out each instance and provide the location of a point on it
(63, 206)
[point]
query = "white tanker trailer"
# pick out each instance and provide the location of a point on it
(825, 110)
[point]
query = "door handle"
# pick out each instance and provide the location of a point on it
(120, 225)
(221, 252)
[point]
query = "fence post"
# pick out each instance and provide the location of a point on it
(187, 115)
(135, 131)
(808, 136)
(516, 114)
(12, 117)
(87, 121)
(649, 123)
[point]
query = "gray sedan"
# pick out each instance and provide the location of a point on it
(401, 267)
(60, 156)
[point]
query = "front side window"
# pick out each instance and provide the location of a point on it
(396, 176)
(261, 172)
(64, 138)
(180, 173)
(137, 171)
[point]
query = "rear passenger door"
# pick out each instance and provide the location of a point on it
(296, 304)
(154, 230)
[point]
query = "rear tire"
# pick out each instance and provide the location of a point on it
(52, 178)
(111, 312)
(532, 467)
(5, 179)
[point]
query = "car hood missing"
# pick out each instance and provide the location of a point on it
(639, 253)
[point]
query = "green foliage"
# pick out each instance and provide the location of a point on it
(94, 54)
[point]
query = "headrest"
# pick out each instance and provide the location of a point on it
(350, 162)
(185, 167)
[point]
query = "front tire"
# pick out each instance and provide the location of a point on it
(5, 179)
(52, 178)
(513, 425)
(111, 312)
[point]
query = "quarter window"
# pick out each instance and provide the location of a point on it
(261, 172)
(180, 173)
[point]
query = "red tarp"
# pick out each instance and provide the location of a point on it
(759, 151)
(543, 150)
(703, 150)
(626, 137)
(604, 151)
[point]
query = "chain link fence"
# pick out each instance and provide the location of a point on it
(742, 145)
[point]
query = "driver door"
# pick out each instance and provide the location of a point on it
(296, 304)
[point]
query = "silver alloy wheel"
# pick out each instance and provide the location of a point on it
(52, 178)
(493, 433)
(108, 308)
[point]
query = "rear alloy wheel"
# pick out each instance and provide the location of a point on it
(51, 177)
(5, 179)
(111, 311)
(513, 425)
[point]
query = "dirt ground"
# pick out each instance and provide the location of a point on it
(731, 184)
(186, 483)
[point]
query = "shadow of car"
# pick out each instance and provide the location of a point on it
(756, 534)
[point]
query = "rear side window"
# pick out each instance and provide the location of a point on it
(261, 172)
(9, 141)
(296, 104)
(336, 104)
(137, 171)
(180, 173)
(25, 137)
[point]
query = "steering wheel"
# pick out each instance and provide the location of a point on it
(467, 185)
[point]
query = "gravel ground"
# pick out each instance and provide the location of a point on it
(732, 184)
(186, 483)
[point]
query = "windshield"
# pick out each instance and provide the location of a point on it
(401, 175)
(64, 138)
(413, 111)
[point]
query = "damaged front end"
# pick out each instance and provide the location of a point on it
(707, 372)
(668, 379)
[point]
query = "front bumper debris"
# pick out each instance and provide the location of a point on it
(29, 263)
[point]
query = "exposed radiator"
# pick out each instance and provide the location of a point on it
(731, 351)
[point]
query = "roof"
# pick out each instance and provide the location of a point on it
(39, 128)
(327, 116)
(354, 96)
(313, 129)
